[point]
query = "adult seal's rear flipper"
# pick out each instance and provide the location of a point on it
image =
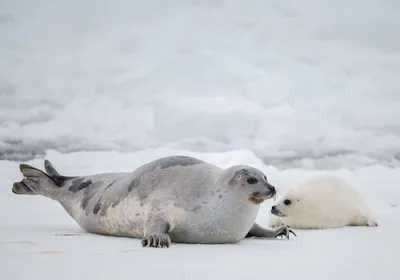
(51, 171)
(21, 189)
(37, 181)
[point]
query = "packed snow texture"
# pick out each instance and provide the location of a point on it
(39, 240)
(309, 84)
(301, 83)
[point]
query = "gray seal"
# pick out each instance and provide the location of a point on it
(176, 199)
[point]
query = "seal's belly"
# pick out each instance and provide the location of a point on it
(214, 229)
(213, 235)
(125, 219)
(106, 205)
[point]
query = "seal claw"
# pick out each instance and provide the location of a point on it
(284, 231)
(156, 240)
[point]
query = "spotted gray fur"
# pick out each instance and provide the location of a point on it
(86, 200)
(79, 184)
(171, 161)
(134, 183)
(97, 207)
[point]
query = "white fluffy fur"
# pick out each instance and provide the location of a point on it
(323, 202)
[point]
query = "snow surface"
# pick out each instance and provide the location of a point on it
(291, 87)
(32, 244)
(289, 80)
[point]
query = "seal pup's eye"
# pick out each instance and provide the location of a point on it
(287, 202)
(252, 181)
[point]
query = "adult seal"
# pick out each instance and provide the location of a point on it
(176, 198)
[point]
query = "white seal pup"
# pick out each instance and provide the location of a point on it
(321, 202)
(177, 198)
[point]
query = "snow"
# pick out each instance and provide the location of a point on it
(35, 243)
(293, 88)
(315, 80)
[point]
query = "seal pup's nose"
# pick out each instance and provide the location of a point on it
(274, 210)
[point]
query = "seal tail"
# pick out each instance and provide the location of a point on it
(37, 181)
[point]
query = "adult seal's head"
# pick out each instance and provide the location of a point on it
(251, 181)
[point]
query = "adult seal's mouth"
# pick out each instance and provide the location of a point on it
(257, 198)
(260, 197)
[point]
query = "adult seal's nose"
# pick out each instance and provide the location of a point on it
(272, 189)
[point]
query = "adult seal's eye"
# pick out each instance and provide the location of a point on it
(252, 181)
(287, 202)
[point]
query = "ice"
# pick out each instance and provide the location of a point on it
(307, 84)
(39, 240)
(294, 88)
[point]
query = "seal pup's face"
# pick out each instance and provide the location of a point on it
(286, 206)
(254, 183)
